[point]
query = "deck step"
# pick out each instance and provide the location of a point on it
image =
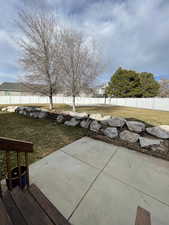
(12, 210)
(47, 206)
(4, 217)
(29, 208)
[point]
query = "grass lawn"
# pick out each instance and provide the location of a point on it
(45, 135)
(154, 117)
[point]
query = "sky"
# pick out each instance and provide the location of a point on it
(133, 34)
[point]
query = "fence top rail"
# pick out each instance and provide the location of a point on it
(8, 144)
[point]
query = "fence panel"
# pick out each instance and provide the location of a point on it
(147, 103)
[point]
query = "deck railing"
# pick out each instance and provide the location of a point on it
(21, 150)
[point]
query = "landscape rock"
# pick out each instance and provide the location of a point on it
(72, 123)
(111, 132)
(4, 109)
(161, 131)
(135, 126)
(85, 123)
(60, 119)
(104, 120)
(147, 142)
(24, 113)
(44, 110)
(96, 116)
(115, 122)
(95, 126)
(19, 108)
(20, 112)
(29, 109)
(34, 114)
(42, 114)
(30, 114)
(78, 115)
(12, 108)
(153, 144)
(129, 136)
(9, 109)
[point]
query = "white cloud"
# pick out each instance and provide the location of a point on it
(130, 33)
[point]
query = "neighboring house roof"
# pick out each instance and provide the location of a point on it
(11, 86)
(19, 87)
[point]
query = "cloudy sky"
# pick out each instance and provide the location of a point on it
(133, 34)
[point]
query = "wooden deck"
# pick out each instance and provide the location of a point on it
(29, 207)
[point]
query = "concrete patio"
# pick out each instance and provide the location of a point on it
(94, 183)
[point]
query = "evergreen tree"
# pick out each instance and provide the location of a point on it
(124, 83)
(128, 83)
(150, 87)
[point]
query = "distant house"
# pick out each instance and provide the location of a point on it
(100, 90)
(14, 89)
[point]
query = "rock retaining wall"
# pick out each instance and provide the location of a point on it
(137, 135)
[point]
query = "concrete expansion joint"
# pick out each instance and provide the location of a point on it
(92, 183)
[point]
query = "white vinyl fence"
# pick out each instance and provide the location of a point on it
(42, 100)
(147, 103)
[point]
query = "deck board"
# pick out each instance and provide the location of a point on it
(143, 217)
(4, 217)
(47, 206)
(30, 209)
(12, 210)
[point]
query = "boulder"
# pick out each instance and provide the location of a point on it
(60, 119)
(42, 114)
(111, 132)
(104, 120)
(85, 123)
(44, 110)
(95, 126)
(24, 113)
(161, 131)
(31, 114)
(115, 122)
(96, 116)
(135, 126)
(78, 115)
(20, 112)
(4, 109)
(29, 109)
(19, 108)
(9, 109)
(72, 123)
(129, 136)
(34, 114)
(147, 142)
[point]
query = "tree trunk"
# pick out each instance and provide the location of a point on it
(110, 100)
(104, 99)
(50, 102)
(74, 108)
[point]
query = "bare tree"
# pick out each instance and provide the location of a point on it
(39, 46)
(79, 63)
(164, 88)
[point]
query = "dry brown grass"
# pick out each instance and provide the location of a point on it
(154, 117)
(45, 134)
